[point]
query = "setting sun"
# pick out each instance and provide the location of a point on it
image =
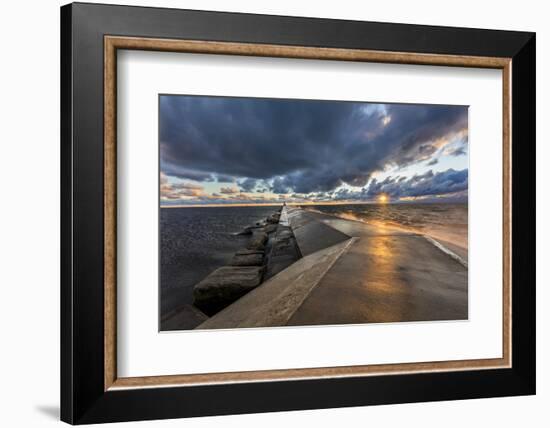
(383, 198)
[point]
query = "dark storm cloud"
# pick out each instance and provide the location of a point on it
(248, 184)
(186, 173)
(427, 184)
(220, 178)
(278, 185)
(450, 181)
(296, 145)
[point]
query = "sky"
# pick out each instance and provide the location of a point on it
(228, 150)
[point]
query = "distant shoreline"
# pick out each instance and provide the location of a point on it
(221, 205)
(296, 204)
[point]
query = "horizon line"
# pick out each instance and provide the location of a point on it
(277, 204)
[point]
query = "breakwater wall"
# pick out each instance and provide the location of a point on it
(270, 249)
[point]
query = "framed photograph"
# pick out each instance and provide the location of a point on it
(266, 213)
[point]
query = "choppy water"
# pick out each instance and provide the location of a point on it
(447, 223)
(196, 241)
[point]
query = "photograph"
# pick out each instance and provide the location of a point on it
(294, 212)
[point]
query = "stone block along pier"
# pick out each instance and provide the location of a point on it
(309, 268)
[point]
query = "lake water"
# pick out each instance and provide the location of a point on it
(195, 241)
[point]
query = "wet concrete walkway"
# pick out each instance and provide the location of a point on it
(386, 276)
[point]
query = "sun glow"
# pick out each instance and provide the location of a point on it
(383, 198)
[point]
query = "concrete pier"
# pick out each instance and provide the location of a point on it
(352, 273)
